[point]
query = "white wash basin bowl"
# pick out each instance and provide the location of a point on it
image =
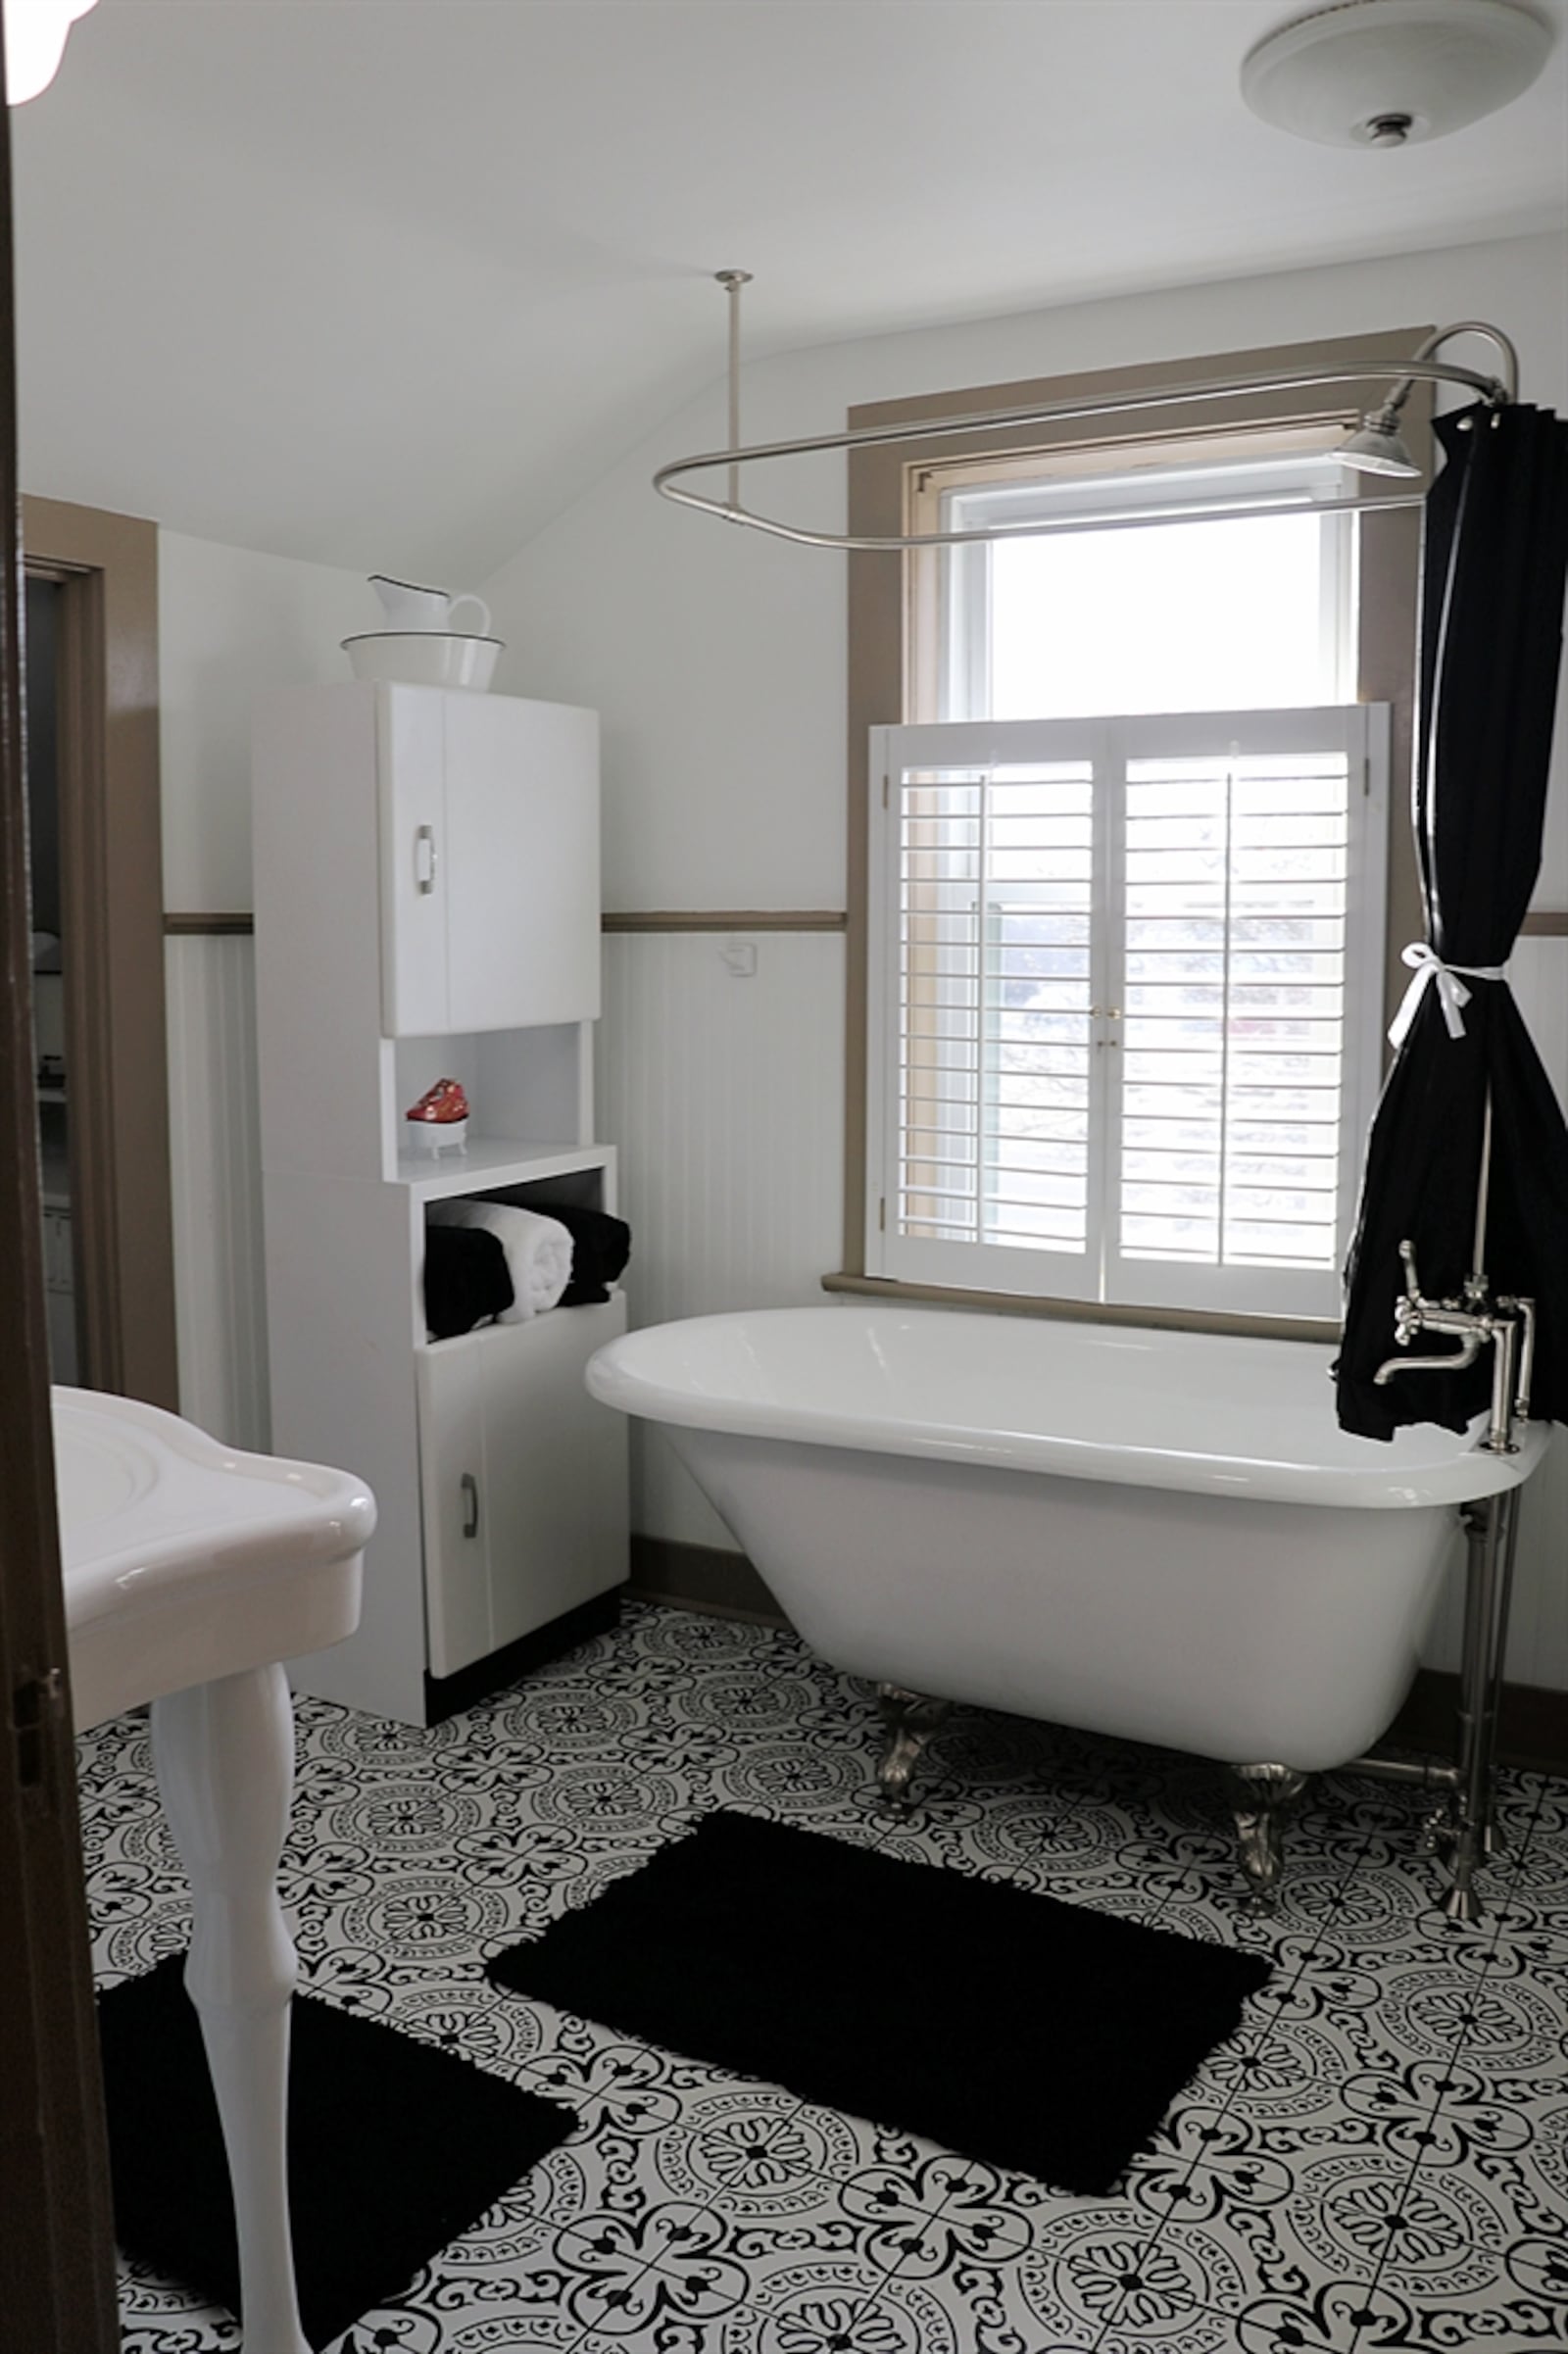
(185, 1560)
(191, 1571)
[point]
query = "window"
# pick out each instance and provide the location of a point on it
(1117, 615)
(1127, 885)
(1124, 1003)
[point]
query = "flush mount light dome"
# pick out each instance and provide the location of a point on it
(1388, 73)
(36, 32)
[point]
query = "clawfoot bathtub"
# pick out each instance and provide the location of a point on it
(1157, 1535)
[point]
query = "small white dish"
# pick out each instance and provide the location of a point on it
(437, 1136)
(424, 658)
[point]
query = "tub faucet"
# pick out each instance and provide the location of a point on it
(1508, 1324)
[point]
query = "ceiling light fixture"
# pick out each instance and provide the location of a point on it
(36, 32)
(1392, 73)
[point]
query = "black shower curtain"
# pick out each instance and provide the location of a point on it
(1492, 604)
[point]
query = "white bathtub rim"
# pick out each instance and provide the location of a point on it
(621, 1375)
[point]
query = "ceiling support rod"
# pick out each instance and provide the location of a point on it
(732, 281)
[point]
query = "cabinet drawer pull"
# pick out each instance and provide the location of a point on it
(470, 1504)
(424, 858)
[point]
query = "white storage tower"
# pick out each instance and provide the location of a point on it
(427, 906)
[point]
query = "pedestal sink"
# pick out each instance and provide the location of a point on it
(191, 1571)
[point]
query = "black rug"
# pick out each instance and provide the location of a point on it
(1007, 2025)
(394, 2148)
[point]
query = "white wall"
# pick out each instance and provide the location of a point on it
(231, 623)
(716, 660)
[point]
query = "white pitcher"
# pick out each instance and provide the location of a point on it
(411, 607)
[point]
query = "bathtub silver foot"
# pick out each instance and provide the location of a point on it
(1258, 1806)
(909, 1719)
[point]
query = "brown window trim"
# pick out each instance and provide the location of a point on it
(881, 599)
(117, 1049)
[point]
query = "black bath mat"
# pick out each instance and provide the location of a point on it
(1007, 2025)
(394, 2148)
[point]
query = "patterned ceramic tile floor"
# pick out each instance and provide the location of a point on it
(1379, 2160)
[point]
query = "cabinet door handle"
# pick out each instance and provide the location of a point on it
(470, 1504)
(424, 860)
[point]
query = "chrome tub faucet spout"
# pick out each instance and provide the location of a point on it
(1474, 1322)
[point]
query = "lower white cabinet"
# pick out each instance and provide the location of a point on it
(523, 1481)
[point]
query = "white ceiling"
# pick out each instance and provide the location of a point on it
(385, 282)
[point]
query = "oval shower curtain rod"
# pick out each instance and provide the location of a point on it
(1419, 368)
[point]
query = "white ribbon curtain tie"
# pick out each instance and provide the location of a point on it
(1427, 965)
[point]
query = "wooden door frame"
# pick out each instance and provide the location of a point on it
(56, 2267)
(112, 915)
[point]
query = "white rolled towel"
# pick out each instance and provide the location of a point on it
(538, 1251)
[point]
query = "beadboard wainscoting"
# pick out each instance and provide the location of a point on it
(216, 1166)
(723, 1092)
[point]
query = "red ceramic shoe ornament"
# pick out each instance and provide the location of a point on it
(441, 1104)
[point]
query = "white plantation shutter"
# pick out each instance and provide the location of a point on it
(1125, 978)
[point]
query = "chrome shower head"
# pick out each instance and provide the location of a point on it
(1378, 448)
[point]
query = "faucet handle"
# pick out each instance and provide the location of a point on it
(1412, 1280)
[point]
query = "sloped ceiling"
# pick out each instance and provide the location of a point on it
(385, 282)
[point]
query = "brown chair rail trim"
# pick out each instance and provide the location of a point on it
(1540, 923)
(728, 919)
(671, 919)
(1088, 1311)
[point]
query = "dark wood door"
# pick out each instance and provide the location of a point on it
(57, 2276)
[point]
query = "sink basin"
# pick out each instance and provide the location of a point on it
(185, 1560)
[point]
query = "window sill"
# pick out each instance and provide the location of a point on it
(1318, 1329)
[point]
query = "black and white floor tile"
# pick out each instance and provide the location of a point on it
(1378, 2159)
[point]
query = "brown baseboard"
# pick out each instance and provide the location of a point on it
(701, 1577)
(1532, 1731)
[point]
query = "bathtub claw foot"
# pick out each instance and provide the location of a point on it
(1259, 1805)
(909, 1719)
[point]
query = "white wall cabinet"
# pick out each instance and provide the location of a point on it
(489, 831)
(428, 906)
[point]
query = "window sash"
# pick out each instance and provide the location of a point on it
(1225, 471)
(1099, 1266)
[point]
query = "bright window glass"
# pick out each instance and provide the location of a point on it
(1117, 615)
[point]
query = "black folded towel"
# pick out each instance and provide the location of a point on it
(466, 1282)
(601, 1245)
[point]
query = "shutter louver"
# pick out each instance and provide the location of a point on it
(1235, 910)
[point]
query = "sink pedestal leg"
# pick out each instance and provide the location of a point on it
(225, 1754)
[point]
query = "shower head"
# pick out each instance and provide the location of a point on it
(1378, 448)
